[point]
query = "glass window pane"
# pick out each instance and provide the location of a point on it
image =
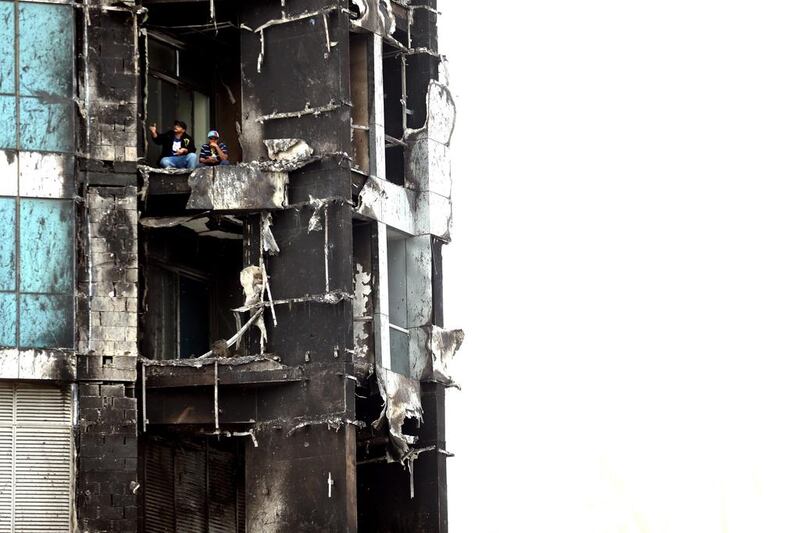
(8, 319)
(399, 344)
(202, 118)
(7, 52)
(162, 57)
(45, 126)
(184, 111)
(45, 245)
(8, 244)
(46, 37)
(8, 122)
(45, 321)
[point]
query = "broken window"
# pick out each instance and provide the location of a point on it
(192, 74)
(394, 113)
(36, 467)
(360, 89)
(191, 282)
(176, 91)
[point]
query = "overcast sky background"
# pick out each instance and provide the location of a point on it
(625, 263)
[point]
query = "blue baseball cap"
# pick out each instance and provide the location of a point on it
(213, 133)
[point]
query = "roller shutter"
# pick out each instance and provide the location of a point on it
(192, 488)
(35, 458)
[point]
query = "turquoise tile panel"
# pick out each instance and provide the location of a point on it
(45, 126)
(8, 122)
(46, 245)
(8, 319)
(46, 58)
(7, 63)
(45, 321)
(8, 244)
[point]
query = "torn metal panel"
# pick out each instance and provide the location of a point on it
(375, 16)
(388, 203)
(315, 220)
(402, 400)
(254, 283)
(441, 118)
(268, 242)
(286, 155)
(204, 226)
(428, 157)
(244, 187)
(432, 350)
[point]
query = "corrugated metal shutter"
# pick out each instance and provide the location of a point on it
(190, 489)
(159, 496)
(35, 458)
(221, 491)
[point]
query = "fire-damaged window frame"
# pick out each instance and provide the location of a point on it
(180, 82)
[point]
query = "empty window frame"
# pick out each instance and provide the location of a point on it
(360, 89)
(178, 313)
(176, 89)
(394, 104)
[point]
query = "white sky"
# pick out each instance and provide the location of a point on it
(626, 263)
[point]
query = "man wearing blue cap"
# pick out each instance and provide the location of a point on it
(215, 152)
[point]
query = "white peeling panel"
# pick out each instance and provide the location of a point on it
(8, 173)
(46, 175)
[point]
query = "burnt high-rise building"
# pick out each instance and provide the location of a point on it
(254, 346)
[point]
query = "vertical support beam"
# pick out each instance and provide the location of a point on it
(383, 356)
(377, 136)
(377, 164)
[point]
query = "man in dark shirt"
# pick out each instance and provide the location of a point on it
(215, 152)
(177, 146)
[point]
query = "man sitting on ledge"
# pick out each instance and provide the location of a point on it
(177, 146)
(215, 152)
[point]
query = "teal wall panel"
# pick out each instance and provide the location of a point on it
(37, 113)
(45, 320)
(8, 319)
(8, 244)
(7, 60)
(45, 245)
(45, 126)
(46, 40)
(8, 122)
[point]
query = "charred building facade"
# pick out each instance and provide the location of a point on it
(251, 347)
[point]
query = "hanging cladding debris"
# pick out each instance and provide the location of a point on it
(402, 400)
(431, 351)
(375, 16)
